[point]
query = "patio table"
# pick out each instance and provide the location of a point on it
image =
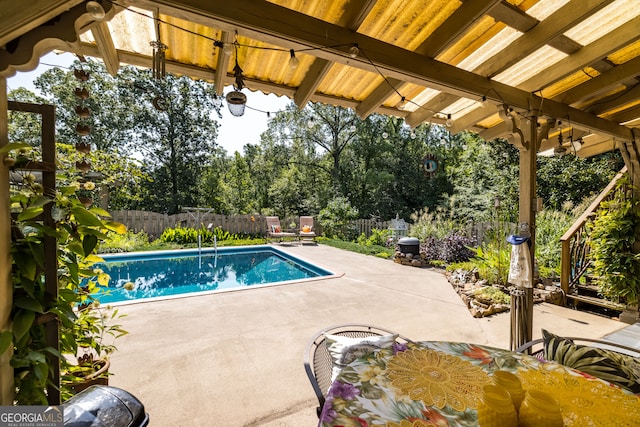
(436, 383)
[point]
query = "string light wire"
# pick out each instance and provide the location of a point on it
(353, 47)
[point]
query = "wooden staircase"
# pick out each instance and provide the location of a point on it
(589, 293)
(577, 285)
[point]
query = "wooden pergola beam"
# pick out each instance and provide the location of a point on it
(104, 41)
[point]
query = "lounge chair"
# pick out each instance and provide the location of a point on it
(275, 231)
(306, 229)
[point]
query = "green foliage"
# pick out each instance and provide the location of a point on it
(177, 140)
(482, 172)
(614, 236)
(492, 262)
(434, 224)
(573, 179)
(127, 242)
(78, 231)
(378, 237)
(184, 236)
(550, 226)
(492, 295)
(335, 218)
(91, 339)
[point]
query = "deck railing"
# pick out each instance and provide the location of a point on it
(574, 243)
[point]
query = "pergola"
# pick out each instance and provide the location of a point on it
(547, 75)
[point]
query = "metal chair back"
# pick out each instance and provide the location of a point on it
(318, 363)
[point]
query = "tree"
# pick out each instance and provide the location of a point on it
(117, 178)
(238, 189)
(176, 133)
(168, 123)
(112, 121)
(571, 179)
(23, 126)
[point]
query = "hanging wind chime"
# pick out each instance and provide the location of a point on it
(159, 63)
(237, 100)
(158, 68)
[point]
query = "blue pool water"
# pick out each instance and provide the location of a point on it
(170, 273)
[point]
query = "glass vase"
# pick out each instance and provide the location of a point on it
(539, 409)
(496, 408)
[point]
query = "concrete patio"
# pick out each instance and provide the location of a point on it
(235, 358)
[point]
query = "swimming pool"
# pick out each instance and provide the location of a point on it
(146, 275)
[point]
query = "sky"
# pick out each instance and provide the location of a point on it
(234, 132)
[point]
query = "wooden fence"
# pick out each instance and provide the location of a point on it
(155, 223)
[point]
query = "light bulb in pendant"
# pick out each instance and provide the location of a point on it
(354, 50)
(95, 10)
(293, 61)
(402, 105)
(449, 121)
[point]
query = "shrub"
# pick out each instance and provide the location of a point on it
(127, 242)
(335, 219)
(492, 262)
(492, 295)
(378, 237)
(454, 247)
(550, 226)
(183, 235)
(429, 224)
(431, 248)
(614, 237)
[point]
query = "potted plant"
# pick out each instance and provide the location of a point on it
(86, 345)
(615, 248)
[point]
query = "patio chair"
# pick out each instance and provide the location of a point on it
(610, 361)
(275, 230)
(306, 229)
(318, 361)
(536, 347)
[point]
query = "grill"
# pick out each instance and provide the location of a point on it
(409, 245)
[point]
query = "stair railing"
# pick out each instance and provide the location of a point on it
(574, 243)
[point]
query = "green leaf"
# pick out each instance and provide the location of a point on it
(5, 341)
(28, 267)
(30, 213)
(85, 217)
(117, 227)
(22, 321)
(13, 146)
(89, 243)
(28, 304)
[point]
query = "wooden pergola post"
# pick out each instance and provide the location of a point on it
(528, 206)
(526, 134)
(6, 287)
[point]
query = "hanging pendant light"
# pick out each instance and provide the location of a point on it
(237, 100)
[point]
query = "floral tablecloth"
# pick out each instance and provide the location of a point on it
(440, 384)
